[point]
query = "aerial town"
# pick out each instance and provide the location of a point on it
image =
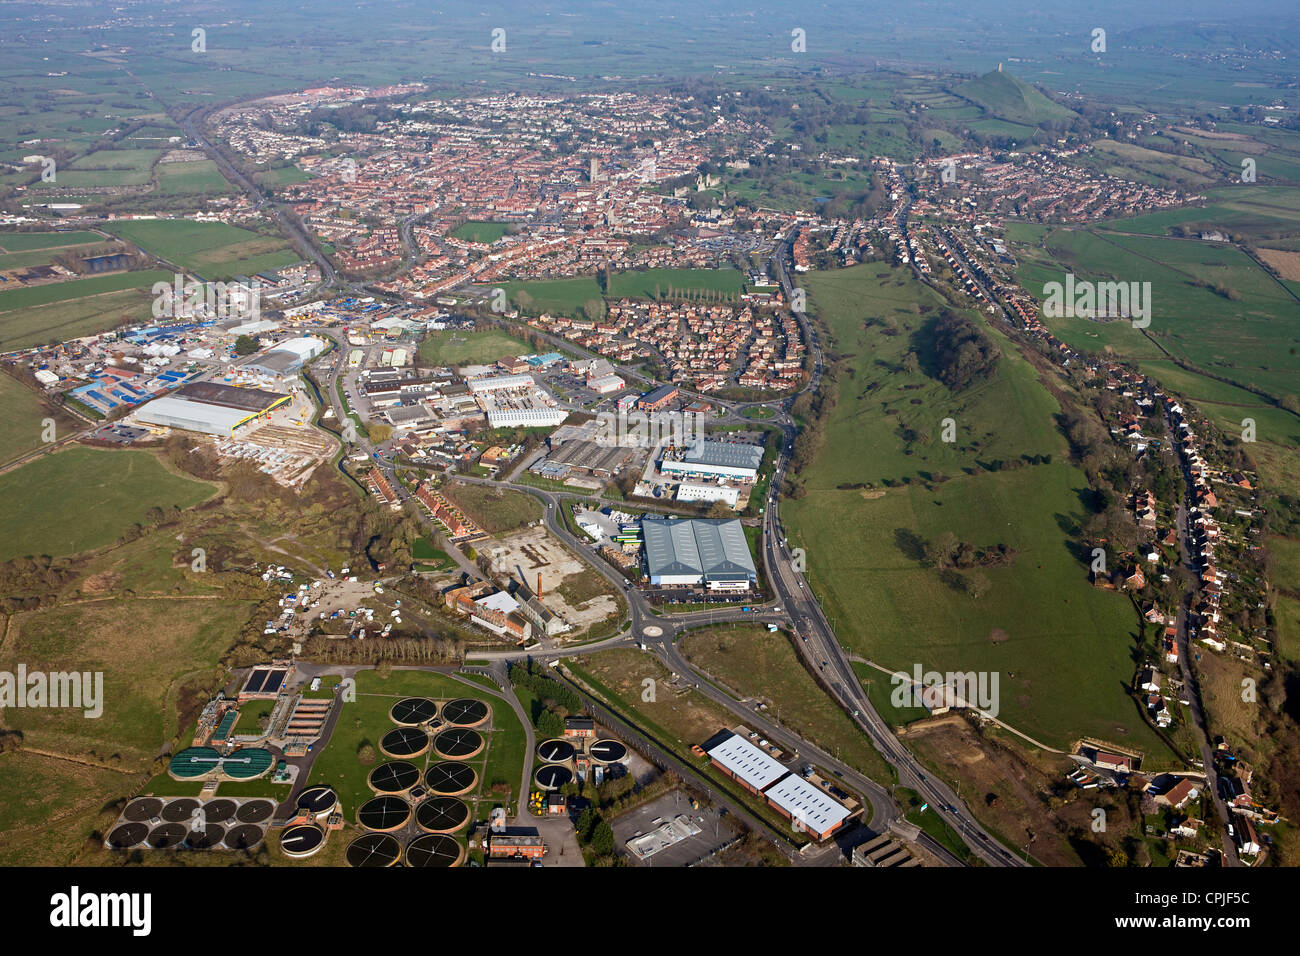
(860, 465)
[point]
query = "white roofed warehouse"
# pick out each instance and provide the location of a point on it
(697, 551)
(809, 809)
(209, 407)
(744, 762)
(287, 357)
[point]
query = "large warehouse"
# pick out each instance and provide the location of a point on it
(287, 357)
(693, 551)
(715, 459)
(209, 407)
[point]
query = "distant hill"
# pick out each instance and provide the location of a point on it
(1012, 99)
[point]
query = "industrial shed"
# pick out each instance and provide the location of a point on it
(287, 357)
(715, 459)
(172, 412)
(209, 407)
(694, 551)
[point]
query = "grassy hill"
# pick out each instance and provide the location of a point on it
(1012, 99)
(885, 482)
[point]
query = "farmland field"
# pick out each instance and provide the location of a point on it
(861, 536)
(1213, 308)
(73, 318)
(31, 241)
(80, 498)
(39, 257)
(106, 167)
(1254, 211)
(282, 176)
(649, 282)
(30, 296)
(22, 412)
(213, 250)
(201, 176)
(1211, 304)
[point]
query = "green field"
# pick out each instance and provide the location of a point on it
(26, 298)
(106, 167)
(454, 347)
(1039, 624)
(1211, 304)
(423, 550)
(1254, 211)
(123, 639)
(213, 250)
(583, 296)
(73, 318)
(1213, 308)
(40, 791)
(201, 176)
(484, 232)
(31, 241)
(559, 296)
(147, 650)
(39, 257)
(23, 414)
(282, 176)
(83, 498)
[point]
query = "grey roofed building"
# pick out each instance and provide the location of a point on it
(593, 457)
(725, 454)
(404, 414)
(697, 551)
(714, 459)
(231, 396)
(274, 363)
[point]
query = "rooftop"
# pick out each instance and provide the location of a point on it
(230, 396)
(815, 810)
(724, 454)
(746, 762)
(716, 549)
